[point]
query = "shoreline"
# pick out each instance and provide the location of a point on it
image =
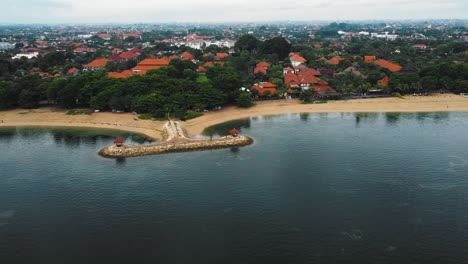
(415, 104)
(52, 117)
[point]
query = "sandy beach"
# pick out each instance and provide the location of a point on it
(435, 103)
(52, 117)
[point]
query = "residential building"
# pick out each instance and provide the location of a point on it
(97, 64)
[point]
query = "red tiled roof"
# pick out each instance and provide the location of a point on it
(384, 81)
(310, 71)
(388, 65)
(124, 74)
(119, 141)
(263, 88)
(104, 35)
(135, 35)
(151, 64)
(128, 55)
(269, 85)
(261, 70)
(296, 57)
(335, 60)
(369, 59)
(263, 64)
(115, 57)
(201, 69)
(220, 56)
(97, 63)
(307, 77)
(187, 56)
(291, 80)
(72, 70)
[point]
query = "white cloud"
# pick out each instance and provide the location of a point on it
(45, 11)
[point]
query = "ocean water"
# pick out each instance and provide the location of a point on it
(313, 188)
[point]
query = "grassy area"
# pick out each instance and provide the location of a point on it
(191, 114)
(316, 102)
(151, 117)
(202, 79)
(26, 112)
(398, 95)
(79, 112)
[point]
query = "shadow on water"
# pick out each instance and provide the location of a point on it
(392, 118)
(436, 117)
(72, 137)
(235, 150)
(304, 116)
(120, 162)
(223, 129)
(366, 117)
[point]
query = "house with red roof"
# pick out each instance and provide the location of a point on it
(187, 56)
(291, 80)
(369, 59)
(123, 74)
(296, 59)
(335, 60)
(135, 35)
(73, 71)
(262, 68)
(288, 70)
(201, 69)
(97, 64)
(264, 89)
(151, 64)
(115, 58)
(104, 36)
(388, 65)
(128, 55)
(384, 81)
(221, 55)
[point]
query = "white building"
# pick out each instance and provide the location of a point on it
(384, 36)
(6, 46)
(28, 55)
(201, 44)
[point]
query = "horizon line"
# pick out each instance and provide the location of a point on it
(240, 22)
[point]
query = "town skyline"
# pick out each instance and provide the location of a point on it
(209, 11)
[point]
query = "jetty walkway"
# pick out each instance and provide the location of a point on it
(175, 140)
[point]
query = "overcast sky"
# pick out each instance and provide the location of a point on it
(115, 11)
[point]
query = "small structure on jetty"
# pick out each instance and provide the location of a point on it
(176, 140)
(119, 142)
(234, 132)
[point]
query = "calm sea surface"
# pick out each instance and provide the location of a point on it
(314, 188)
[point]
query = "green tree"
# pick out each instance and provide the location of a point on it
(307, 95)
(245, 100)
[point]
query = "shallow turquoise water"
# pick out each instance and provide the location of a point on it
(314, 188)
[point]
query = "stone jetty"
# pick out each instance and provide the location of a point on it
(176, 140)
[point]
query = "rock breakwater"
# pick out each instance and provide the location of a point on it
(176, 141)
